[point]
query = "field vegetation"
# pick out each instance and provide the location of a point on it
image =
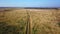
(39, 21)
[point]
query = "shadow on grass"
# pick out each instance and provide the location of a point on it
(8, 29)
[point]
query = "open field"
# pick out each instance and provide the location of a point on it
(41, 21)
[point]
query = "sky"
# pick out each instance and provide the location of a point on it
(29, 3)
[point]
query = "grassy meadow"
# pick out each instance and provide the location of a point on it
(40, 21)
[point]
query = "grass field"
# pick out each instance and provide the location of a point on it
(42, 21)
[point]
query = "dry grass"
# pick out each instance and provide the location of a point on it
(44, 21)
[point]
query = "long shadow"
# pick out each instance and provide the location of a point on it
(8, 29)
